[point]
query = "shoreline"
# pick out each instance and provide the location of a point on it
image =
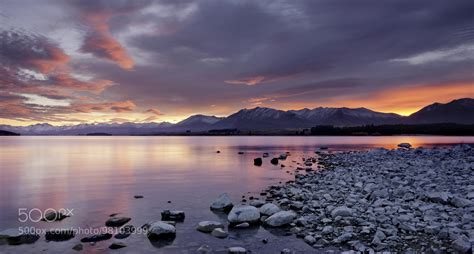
(384, 200)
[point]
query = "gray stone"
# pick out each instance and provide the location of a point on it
(269, 209)
(342, 211)
(243, 213)
(237, 250)
(219, 233)
(208, 226)
(281, 218)
(223, 203)
(161, 230)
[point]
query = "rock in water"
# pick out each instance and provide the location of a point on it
(77, 247)
(204, 249)
(59, 235)
(257, 161)
(208, 226)
(222, 203)
(117, 221)
(274, 161)
(219, 233)
(160, 230)
(342, 211)
(125, 232)
(117, 245)
(243, 213)
(15, 237)
(269, 209)
(172, 215)
(96, 238)
(54, 216)
(237, 250)
(264, 155)
(281, 218)
(138, 196)
(404, 145)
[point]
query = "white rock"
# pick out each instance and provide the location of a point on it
(208, 226)
(269, 209)
(219, 233)
(223, 202)
(237, 250)
(243, 213)
(280, 218)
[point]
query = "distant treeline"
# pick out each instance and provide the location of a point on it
(395, 129)
(8, 133)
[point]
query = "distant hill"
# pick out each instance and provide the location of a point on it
(458, 111)
(262, 119)
(8, 133)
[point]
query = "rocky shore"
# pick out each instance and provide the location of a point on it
(396, 200)
(400, 200)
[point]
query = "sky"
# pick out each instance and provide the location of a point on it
(71, 62)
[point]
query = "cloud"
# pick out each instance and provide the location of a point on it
(99, 41)
(247, 81)
(154, 111)
(118, 107)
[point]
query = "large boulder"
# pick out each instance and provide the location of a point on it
(160, 230)
(404, 145)
(222, 203)
(243, 213)
(269, 209)
(281, 218)
(208, 226)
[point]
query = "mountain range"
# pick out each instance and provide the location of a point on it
(460, 111)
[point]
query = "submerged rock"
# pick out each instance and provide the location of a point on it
(77, 247)
(54, 216)
(243, 213)
(15, 237)
(117, 245)
(208, 226)
(125, 232)
(117, 221)
(222, 203)
(219, 233)
(96, 238)
(59, 235)
(172, 215)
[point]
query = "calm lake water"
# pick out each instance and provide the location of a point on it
(98, 176)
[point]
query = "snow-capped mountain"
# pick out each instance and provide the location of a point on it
(262, 118)
(346, 116)
(458, 111)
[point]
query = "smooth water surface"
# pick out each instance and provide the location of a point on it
(98, 176)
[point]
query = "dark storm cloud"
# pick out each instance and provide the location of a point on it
(301, 42)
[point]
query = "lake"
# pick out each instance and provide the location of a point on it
(98, 176)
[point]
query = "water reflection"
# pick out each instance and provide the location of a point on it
(97, 176)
